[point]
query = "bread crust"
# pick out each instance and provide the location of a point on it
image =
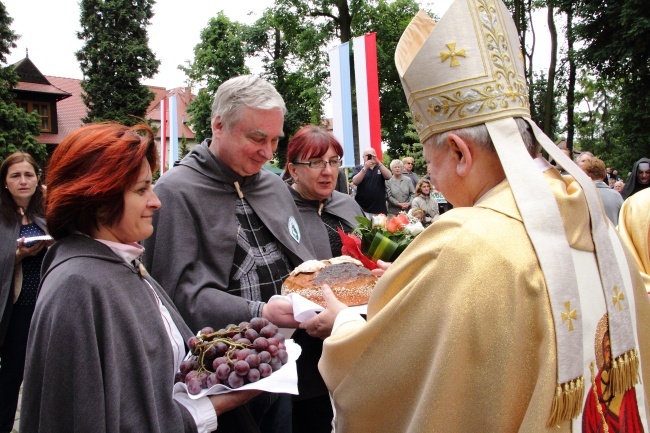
(351, 283)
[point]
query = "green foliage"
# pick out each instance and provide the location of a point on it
(388, 20)
(219, 56)
(293, 59)
(413, 148)
(183, 148)
(614, 37)
(114, 58)
(17, 128)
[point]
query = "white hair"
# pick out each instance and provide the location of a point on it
(244, 91)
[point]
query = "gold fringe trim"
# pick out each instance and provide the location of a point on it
(567, 402)
(624, 373)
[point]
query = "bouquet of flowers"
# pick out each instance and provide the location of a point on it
(380, 239)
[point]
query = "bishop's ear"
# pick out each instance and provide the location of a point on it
(463, 152)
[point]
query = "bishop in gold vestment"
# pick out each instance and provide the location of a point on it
(460, 336)
(487, 321)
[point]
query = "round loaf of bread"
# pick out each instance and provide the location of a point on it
(350, 281)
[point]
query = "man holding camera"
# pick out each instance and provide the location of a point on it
(370, 180)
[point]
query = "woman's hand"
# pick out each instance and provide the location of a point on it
(224, 402)
(320, 326)
(22, 251)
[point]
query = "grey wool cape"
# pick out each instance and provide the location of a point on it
(195, 232)
(99, 358)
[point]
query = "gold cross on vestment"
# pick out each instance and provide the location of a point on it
(569, 315)
(453, 54)
(617, 298)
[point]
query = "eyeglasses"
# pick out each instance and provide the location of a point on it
(334, 163)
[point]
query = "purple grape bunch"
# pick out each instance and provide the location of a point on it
(233, 356)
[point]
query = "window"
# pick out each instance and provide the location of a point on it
(43, 110)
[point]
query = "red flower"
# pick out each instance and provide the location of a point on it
(352, 247)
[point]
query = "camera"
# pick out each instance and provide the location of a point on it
(368, 157)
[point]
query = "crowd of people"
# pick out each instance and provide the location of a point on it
(520, 310)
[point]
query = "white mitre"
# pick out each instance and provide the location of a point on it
(467, 70)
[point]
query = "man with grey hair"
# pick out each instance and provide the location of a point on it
(228, 232)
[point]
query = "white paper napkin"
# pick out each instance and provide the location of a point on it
(304, 309)
(282, 381)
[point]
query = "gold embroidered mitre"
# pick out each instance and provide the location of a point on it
(464, 70)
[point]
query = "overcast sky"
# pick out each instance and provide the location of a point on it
(47, 28)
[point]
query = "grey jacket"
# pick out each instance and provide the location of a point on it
(195, 233)
(99, 358)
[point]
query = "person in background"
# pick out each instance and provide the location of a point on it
(494, 287)
(313, 158)
(425, 202)
(21, 216)
(612, 200)
(106, 340)
(584, 156)
(342, 182)
(370, 178)
(634, 230)
(639, 179)
(408, 163)
(399, 190)
(230, 232)
(619, 185)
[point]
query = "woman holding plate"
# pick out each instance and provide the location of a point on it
(105, 340)
(21, 216)
(313, 159)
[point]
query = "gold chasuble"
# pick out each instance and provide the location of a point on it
(460, 335)
(521, 313)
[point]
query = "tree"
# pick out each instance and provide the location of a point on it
(338, 21)
(114, 58)
(614, 36)
(219, 56)
(17, 128)
(183, 148)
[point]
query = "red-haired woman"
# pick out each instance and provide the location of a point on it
(105, 340)
(21, 216)
(313, 159)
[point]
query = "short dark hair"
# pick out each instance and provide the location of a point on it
(90, 171)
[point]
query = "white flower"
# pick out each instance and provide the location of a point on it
(379, 221)
(414, 228)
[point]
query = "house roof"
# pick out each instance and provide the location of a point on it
(70, 111)
(70, 108)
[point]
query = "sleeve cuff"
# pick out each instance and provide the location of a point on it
(201, 410)
(345, 316)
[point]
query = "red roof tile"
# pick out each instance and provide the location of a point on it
(42, 88)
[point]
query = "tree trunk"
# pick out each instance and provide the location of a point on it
(570, 97)
(549, 104)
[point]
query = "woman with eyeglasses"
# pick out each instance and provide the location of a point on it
(313, 160)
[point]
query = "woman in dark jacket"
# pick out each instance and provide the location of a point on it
(314, 156)
(106, 340)
(21, 216)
